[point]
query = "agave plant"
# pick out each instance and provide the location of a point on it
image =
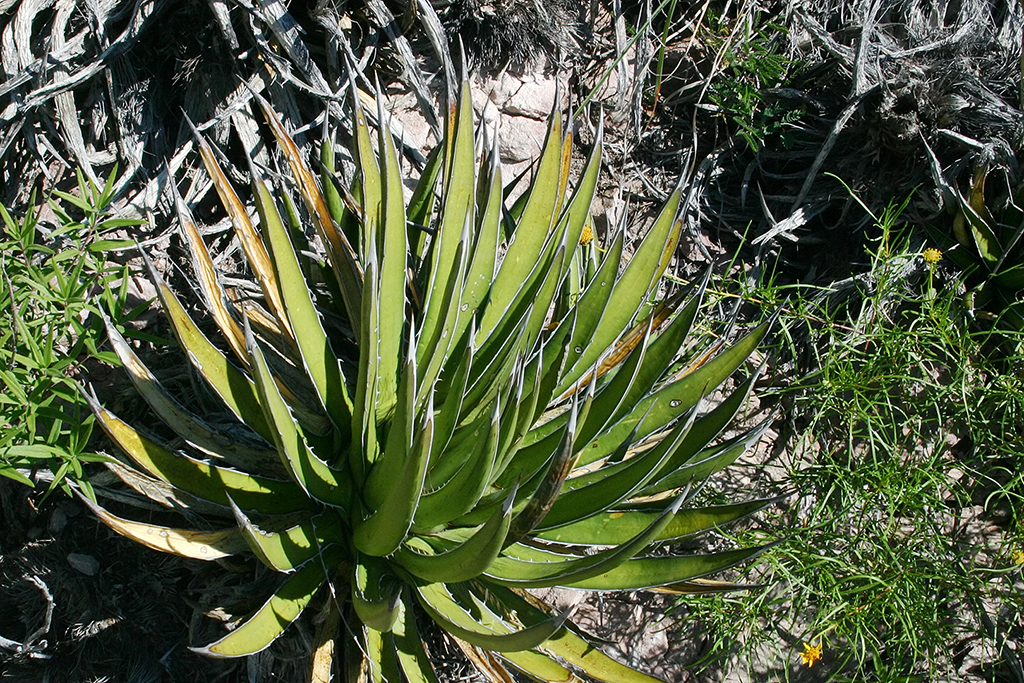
(474, 402)
(989, 248)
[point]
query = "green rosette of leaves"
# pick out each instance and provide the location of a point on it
(464, 402)
(990, 251)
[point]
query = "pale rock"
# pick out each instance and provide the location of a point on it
(85, 564)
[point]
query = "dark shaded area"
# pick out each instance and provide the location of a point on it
(119, 610)
(513, 34)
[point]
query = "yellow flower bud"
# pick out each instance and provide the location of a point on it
(588, 235)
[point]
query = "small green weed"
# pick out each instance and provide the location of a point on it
(906, 450)
(50, 287)
(752, 66)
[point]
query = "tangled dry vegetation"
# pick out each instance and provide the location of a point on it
(787, 120)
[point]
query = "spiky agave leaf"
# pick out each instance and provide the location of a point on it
(519, 414)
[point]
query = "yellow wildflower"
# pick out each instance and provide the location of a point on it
(1018, 557)
(811, 654)
(588, 235)
(932, 255)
